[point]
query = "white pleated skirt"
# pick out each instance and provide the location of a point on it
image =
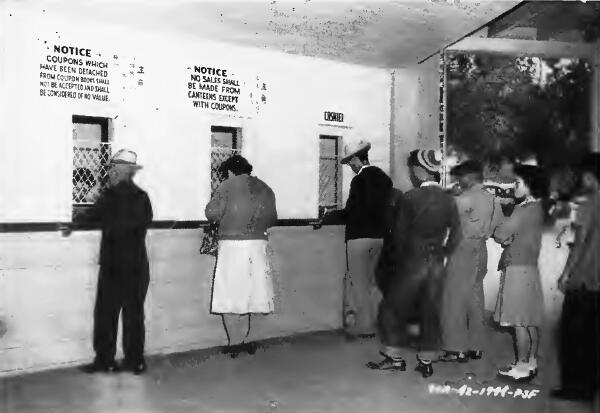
(243, 281)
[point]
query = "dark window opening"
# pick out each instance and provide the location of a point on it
(330, 174)
(91, 154)
(225, 142)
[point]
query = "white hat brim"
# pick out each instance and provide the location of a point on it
(347, 158)
(130, 165)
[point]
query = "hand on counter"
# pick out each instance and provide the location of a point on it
(65, 230)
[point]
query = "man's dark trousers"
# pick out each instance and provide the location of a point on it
(580, 342)
(414, 294)
(116, 294)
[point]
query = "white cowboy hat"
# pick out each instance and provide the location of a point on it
(353, 149)
(125, 157)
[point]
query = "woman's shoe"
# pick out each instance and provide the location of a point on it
(233, 350)
(533, 366)
(454, 356)
(518, 372)
(505, 370)
(249, 348)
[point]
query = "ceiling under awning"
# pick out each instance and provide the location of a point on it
(389, 34)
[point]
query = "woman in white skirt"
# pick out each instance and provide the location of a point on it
(520, 299)
(244, 207)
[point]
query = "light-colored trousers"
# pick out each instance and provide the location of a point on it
(462, 312)
(361, 294)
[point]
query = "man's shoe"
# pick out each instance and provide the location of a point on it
(426, 369)
(388, 363)
(97, 367)
(136, 368)
(140, 368)
(454, 356)
(571, 394)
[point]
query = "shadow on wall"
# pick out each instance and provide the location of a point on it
(3, 327)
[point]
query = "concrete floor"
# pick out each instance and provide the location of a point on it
(313, 373)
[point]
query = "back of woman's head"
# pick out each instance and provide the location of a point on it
(237, 164)
(538, 183)
(535, 178)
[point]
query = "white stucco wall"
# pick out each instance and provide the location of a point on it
(158, 119)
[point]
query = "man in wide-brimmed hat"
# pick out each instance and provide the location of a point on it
(416, 291)
(365, 220)
(124, 213)
(462, 315)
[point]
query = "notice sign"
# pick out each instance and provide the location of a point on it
(333, 117)
(71, 73)
(213, 88)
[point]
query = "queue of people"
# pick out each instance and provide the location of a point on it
(415, 257)
(434, 259)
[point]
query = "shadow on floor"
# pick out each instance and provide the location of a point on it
(319, 372)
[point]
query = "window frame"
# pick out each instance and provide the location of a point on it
(105, 147)
(338, 179)
(236, 148)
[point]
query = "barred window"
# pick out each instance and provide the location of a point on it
(330, 174)
(225, 142)
(91, 154)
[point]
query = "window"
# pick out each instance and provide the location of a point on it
(225, 142)
(91, 153)
(330, 176)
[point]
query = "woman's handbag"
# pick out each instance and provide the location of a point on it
(210, 241)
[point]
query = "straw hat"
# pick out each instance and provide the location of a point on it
(429, 159)
(125, 157)
(354, 149)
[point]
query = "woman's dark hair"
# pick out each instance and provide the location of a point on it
(222, 172)
(236, 164)
(537, 181)
(535, 178)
